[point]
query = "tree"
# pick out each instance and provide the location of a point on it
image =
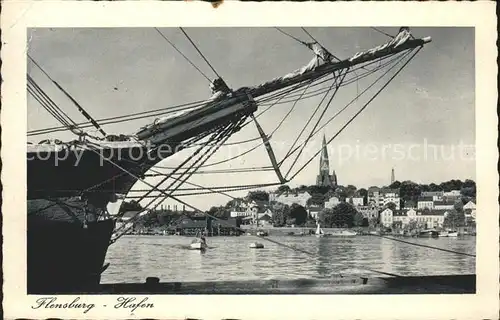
(280, 215)
(130, 206)
(397, 225)
(459, 206)
(358, 219)
(395, 185)
(373, 222)
(350, 190)
(298, 213)
(316, 199)
(283, 188)
(258, 195)
(454, 219)
(219, 212)
(391, 205)
(340, 216)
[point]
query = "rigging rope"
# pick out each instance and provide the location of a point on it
(426, 246)
(289, 35)
(359, 112)
(382, 32)
(182, 54)
(347, 105)
(47, 103)
(308, 121)
(78, 106)
(304, 29)
(201, 54)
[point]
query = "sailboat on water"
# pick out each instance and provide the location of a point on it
(319, 232)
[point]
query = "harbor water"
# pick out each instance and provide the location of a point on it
(134, 258)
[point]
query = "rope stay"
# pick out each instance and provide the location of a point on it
(183, 55)
(223, 135)
(358, 113)
(78, 106)
(337, 86)
(346, 106)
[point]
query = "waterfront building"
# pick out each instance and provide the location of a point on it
(239, 213)
(314, 211)
(409, 204)
(431, 219)
(444, 205)
(452, 193)
(470, 205)
(191, 226)
(389, 195)
(290, 198)
(356, 201)
(368, 212)
(405, 216)
(374, 196)
(425, 202)
(386, 218)
(332, 203)
(324, 179)
(435, 195)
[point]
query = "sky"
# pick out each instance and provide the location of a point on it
(422, 124)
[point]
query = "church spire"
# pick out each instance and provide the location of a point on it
(324, 163)
(324, 178)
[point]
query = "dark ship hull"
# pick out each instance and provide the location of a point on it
(63, 257)
(70, 185)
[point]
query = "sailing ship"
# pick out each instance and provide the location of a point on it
(319, 232)
(70, 185)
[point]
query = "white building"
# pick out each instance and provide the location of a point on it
(425, 202)
(382, 197)
(452, 193)
(444, 205)
(435, 195)
(410, 204)
(431, 219)
(368, 212)
(290, 198)
(405, 217)
(356, 201)
(386, 218)
(470, 205)
(332, 203)
(373, 196)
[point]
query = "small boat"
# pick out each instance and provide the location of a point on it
(256, 245)
(428, 234)
(448, 234)
(342, 233)
(262, 233)
(199, 243)
(319, 232)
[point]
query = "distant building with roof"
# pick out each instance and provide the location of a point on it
(332, 203)
(425, 202)
(291, 197)
(191, 226)
(368, 212)
(444, 205)
(435, 195)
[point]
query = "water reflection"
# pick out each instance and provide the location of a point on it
(134, 258)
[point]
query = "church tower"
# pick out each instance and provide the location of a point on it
(324, 179)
